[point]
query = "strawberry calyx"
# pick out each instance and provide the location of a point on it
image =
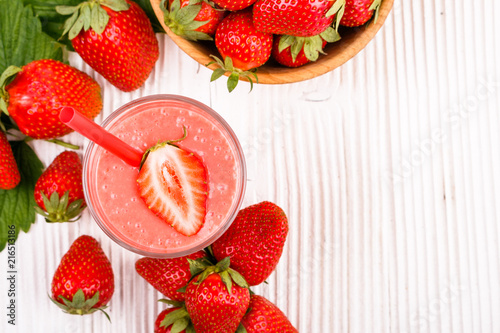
(312, 46)
(227, 274)
(181, 20)
(227, 66)
(59, 209)
(89, 14)
(7, 76)
(79, 305)
(179, 319)
(337, 9)
(376, 7)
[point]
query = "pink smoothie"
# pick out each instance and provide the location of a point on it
(112, 187)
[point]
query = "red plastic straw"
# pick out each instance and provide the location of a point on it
(100, 136)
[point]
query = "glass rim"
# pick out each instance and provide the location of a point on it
(240, 189)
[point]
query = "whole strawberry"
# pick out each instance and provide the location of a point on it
(358, 12)
(41, 89)
(265, 317)
(192, 19)
(301, 18)
(115, 38)
(9, 173)
(83, 282)
(167, 275)
(59, 190)
(254, 241)
(241, 46)
(217, 299)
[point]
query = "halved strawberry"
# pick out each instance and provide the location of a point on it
(173, 183)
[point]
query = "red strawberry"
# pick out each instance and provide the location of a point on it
(192, 19)
(59, 191)
(115, 38)
(41, 89)
(9, 173)
(301, 18)
(83, 282)
(167, 275)
(173, 183)
(254, 241)
(358, 12)
(214, 302)
(265, 317)
(293, 51)
(234, 5)
(241, 46)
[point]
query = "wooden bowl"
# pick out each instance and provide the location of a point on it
(353, 40)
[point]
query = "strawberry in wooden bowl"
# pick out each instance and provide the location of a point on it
(346, 26)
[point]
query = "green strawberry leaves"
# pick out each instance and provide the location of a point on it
(21, 36)
(179, 319)
(88, 15)
(376, 7)
(16, 205)
(79, 305)
(226, 66)
(312, 46)
(58, 210)
(5, 78)
(182, 20)
(337, 9)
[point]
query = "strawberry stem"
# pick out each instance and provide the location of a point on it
(64, 144)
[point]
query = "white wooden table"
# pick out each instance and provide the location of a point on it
(387, 168)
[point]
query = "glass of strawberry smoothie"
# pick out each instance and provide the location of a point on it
(110, 185)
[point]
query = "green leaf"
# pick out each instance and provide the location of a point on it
(52, 21)
(376, 7)
(116, 5)
(6, 77)
(70, 23)
(286, 41)
(179, 325)
(232, 81)
(175, 304)
(228, 282)
(224, 264)
(187, 14)
(217, 73)
(87, 16)
(21, 36)
(238, 278)
(16, 205)
(66, 10)
(196, 266)
(102, 20)
(46, 9)
(330, 35)
(77, 27)
(174, 316)
(241, 329)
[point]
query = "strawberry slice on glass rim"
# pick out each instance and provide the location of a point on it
(173, 184)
